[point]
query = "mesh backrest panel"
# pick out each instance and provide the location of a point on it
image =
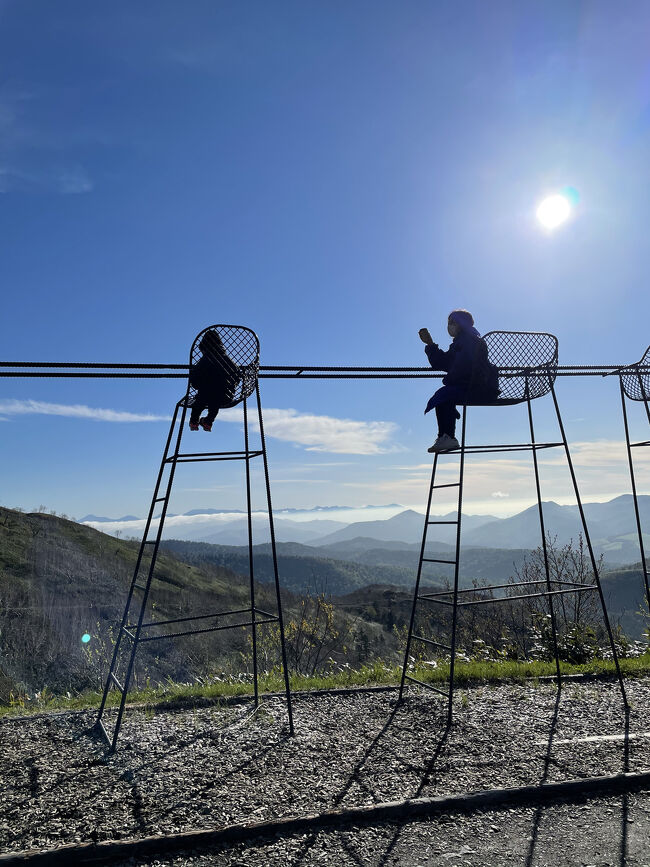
(636, 382)
(240, 367)
(527, 363)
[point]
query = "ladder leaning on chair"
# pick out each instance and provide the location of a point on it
(527, 363)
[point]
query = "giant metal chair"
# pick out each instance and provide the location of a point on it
(527, 363)
(242, 348)
(635, 385)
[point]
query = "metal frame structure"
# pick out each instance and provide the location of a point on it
(242, 348)
(527, 363)
(634, 384)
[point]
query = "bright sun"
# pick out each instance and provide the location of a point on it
(553, 211)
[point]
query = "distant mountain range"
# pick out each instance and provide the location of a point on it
(611, 526)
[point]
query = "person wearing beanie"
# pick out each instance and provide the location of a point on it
(470, 376)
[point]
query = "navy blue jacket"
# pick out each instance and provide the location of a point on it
(467, 365)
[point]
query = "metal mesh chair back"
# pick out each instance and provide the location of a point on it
(234, 352)
(527, 362)
(636, 382)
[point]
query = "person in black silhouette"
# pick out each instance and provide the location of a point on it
(470, 378)
(215, 377)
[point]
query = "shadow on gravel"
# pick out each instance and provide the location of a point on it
(355, 778)
(539, 811)
(625, 811)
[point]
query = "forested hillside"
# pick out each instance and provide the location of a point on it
(60, 580)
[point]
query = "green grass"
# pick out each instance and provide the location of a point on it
(378, 674)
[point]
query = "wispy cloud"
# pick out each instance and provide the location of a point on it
(39, 407)
(31, 158)
(323, 433)
(317, 433)
(69, 180)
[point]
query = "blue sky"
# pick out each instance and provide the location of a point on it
(334, 175)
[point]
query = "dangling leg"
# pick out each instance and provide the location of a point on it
(447, 414)
(197, 408)
(206, 421)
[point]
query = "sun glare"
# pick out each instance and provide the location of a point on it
(553, 211)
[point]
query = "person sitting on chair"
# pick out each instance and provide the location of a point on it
(470, 376)
(215, 377)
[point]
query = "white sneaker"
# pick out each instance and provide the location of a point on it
(444, 443)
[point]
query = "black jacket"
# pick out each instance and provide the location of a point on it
(467, 365)
(216, 376)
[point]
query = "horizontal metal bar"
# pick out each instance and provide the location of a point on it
(645, 443)
(126, 632)
(276, 368)
(266, 613)
(83, 370)
(195, 617)
(433, 599)
(513, 447)
(527, 595)
(204, 455)
(428, 685)
(442, 522)
(66, 375)
(241, 457)
(430, 641)
(140, 587)
(159, 499)
(432, 560)
(450, 485)
(209, 629)
(490, 587)
(117, 683)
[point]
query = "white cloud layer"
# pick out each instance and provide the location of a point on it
(322, 433)
(39, 407)
(317, 433)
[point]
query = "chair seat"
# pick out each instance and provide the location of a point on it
(511, 401)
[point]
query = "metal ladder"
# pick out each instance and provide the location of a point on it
(456, 598)
(139, 631)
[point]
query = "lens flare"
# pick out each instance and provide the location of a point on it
(85, 638)
(553, 211)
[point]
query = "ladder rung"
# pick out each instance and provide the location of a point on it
(442, 522)
(125, 630)
(430, 641)
(159, 499)
(450, 485)
(139, 587)
(117, 683)
(149, 542)
(428, 685)
(431, 560)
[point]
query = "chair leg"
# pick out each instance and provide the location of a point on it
(544, 544)
(592, 556)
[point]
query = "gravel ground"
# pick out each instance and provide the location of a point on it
(605, 831)
(204, 768)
